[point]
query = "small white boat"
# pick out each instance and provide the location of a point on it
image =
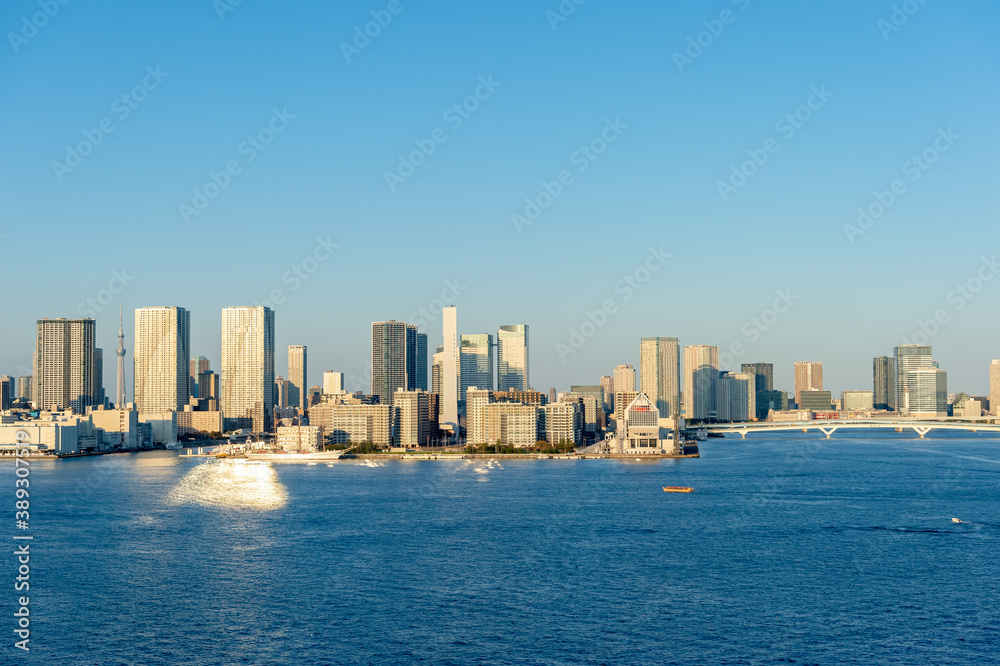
(957, 520)
(173, 446)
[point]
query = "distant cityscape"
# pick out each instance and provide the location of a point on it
(477, 392)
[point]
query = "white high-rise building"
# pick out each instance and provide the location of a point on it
(512, 358)
(476, 400)
(737, 399)
(701, 376)
(928, 392)
(161, 359)
(64, 372)
(448, 419)
(297, 376)
(909, 358)
(247, 381)
(659, 373)
(995, 387)
(333, 382)
(624, 378)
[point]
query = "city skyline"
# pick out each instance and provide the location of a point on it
(655, 186)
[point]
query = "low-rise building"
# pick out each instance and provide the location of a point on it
(857, 401)
(299, 439)
(353, 423)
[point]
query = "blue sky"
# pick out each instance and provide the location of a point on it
(889, 94)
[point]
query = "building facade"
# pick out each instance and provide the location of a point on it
(512, 358)
(247, 377)
(808, 377)
(64, 372)
(412, 418)
(701, 376)
(475, 362)
(298, 375)
(884, 383)
(907, 359)
(737, 401)
(162, 359)
(928, 392)
(389, 371)
(659, 373)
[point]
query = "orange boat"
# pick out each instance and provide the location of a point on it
(677, 489)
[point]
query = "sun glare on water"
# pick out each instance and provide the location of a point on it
(227, 483)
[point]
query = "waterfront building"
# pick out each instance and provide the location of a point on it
(162, 359)
(857, 401)
(475, 362)
(199, 366)
(353, 423)
(192, 422)
(639, 431)
(737, 399)
(995, 387)
(298, 375)
(247, 377)
(563, 422)
(512, 424)
(512, 358)
(64, 369)
(928, 392)
(884, 383)
(701, 376)
(299, 439)
(24, 388)
(972, 409)
(622, 400)
(333, 382)
(121, 426)
(162, 425)
(808, 377)
(412, 418)
(815, 401)
(592, 413)
(50, 433)
(659, 373)
(389, 371)
(908, 358)
(476, 401)
(449, 372)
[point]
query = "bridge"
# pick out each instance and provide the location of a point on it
(828, 427)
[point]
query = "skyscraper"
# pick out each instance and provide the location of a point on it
(475, 363)
(737, 400)
(907, 359)
(198, 366)
(995, 387)
(928, 391)
(624, 378)
(659, 373)
(808, 377)
(701, 377)
(608, 384)
(98, 376)
(247, 380)
(298, 375)
(333, 382)
(449, 371)
(512, 358)
(24, 386)
(884, 383)
(162, 359)
(64, 364)
(389, 371)
(763, 375)
(421, 384)
(437, 366)
(6, 392)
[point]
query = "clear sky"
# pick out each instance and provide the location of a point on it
(680, 117)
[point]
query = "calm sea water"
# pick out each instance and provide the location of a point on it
(794, 549)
